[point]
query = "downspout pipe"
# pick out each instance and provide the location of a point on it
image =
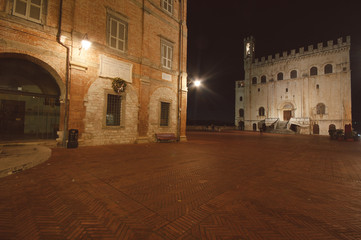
(179, 87)
(67, 66)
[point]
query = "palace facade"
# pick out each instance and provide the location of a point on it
(303, 91)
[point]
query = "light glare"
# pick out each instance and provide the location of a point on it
(85, 44)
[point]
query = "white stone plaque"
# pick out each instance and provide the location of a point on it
(112, 68)
(166, 76)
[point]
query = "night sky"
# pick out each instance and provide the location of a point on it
(216, 30)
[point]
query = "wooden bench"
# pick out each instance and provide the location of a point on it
(165, 137)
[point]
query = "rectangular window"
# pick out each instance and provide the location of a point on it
(28, 9)
(167, 55)
(164, 114)
(117, 34)
(114, 107)
(168, 5)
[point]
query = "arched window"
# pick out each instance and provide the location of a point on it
(254, 80)
(293, 74)
(261, 111)
(321, 108)
(313, 71)
(280, 76)
(241, 98)
(328, 68)
(263, 79)
(241, 112)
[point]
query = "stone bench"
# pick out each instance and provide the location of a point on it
(165, 137)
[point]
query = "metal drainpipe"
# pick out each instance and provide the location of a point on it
(180, 68)
(66, 74)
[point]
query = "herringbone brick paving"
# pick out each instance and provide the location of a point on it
(235, 185)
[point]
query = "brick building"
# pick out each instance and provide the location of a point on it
(129, 85)
(304, 91)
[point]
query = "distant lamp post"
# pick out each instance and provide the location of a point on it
(85, 43)
(197, 83)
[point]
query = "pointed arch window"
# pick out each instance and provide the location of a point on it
(313, 71)
(321, 108)
(254, 80)
(263, 79)
(293, 74)
(261, 111)
(328, 68)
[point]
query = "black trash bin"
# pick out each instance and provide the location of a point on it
(73, 138)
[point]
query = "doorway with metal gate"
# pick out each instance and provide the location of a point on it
(29, 101)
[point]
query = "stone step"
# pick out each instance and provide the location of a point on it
(282, 131)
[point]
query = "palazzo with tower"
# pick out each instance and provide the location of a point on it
(303, 91)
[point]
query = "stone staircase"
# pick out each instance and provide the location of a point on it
(281, 128)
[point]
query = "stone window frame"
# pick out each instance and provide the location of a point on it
(293, 74)
(254, 80)
(328, 68)
(122, 110)
(168, 118)
(313, 71)
(263, 79)
(261, 112)
(166, 61)
(28, 3)
(279, 76)
(167, 6)
(320, 109)
(119, 19)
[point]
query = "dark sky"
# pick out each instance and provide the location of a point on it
(216, 30)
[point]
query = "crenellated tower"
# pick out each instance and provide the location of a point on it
(249, 49)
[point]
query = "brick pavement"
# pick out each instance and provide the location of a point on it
(215, 186)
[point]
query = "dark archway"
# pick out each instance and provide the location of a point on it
(254, 127)
(29, 100)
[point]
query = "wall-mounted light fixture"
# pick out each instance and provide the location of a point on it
(63, 39)
(85, 43)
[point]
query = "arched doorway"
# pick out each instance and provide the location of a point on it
(241, 125)
(254, 127)
(316, 129)
(287, 111)
(29, 100)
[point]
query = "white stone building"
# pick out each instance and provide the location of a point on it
(305, 91)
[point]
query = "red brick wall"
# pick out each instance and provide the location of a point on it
(145, 30)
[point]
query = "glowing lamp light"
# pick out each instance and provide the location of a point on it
(197, 83)
(85, 43)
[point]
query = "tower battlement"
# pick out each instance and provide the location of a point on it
(320, 47)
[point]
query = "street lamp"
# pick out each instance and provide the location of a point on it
(85, 43)
(197, 83)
